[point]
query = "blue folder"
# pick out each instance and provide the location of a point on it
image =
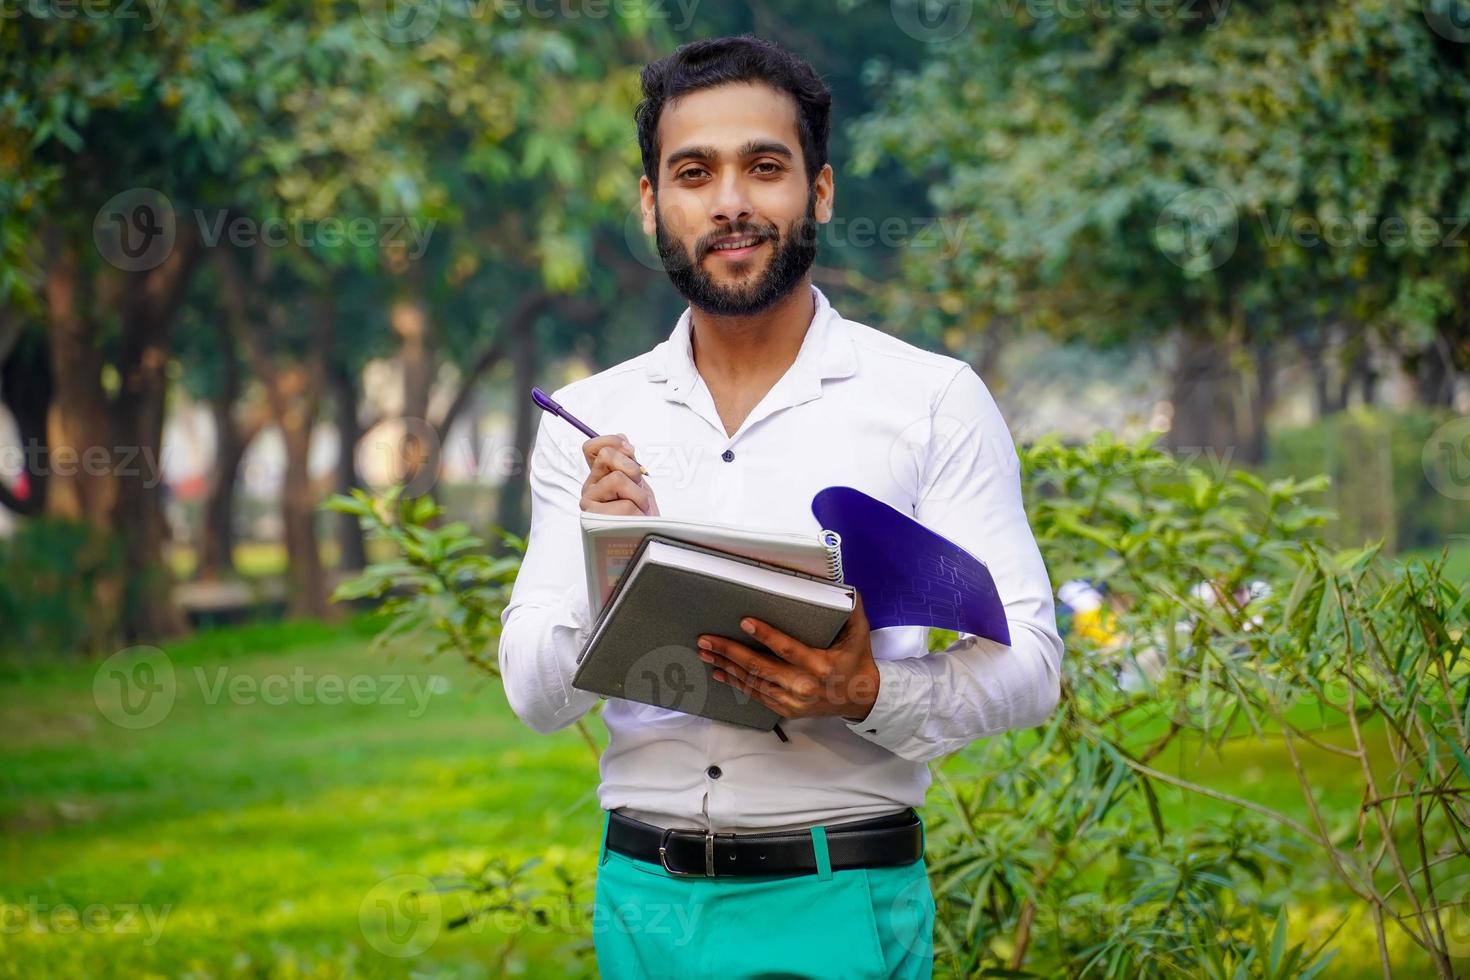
(907, 574)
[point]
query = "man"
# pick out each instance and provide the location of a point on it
(727, 851)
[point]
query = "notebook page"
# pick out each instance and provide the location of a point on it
(765, 579)
(609, 541)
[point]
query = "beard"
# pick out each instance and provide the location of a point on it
(794, 253)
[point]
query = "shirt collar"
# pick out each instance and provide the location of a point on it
(826, 352)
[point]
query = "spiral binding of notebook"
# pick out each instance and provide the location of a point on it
(833, 542)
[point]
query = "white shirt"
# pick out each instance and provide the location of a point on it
(856, 408)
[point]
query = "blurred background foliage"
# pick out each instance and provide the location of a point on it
(257, 254)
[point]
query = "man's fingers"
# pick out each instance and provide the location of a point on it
(608, 453)
(624, 507)
(759, 666)
(788, 648)
(771, 695)
(614, 460)
(592, 447)
(619, 486)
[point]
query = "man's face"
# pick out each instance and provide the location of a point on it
(735, 216)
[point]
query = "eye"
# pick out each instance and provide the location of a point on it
(685, 174)
(774, 167)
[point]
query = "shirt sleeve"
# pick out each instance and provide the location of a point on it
(970, 492)
(546, 621)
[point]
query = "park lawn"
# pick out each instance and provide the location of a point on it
(262, 836)
(266, 559)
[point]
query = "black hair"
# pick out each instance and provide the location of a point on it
(721, 61)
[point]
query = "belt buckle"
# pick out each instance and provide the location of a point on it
(709, 854)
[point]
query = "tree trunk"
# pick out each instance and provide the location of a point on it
(521, 319)
(106, 454)
(409, 317)
(1263, 399)
(1315, 344)
(510, 507)
(1204, 389)
(305, 581)
(217, 533)
(149, 309)
(77, 427)
(351, 550)
(1368, 381)
(410, 320)
(1434, 377)
(293, 393)
(217, 525)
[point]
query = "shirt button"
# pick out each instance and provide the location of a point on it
(727, 455)
(714, 772)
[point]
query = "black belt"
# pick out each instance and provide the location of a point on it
(879, 842)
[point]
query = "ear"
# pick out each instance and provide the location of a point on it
(645, 198)
(826, 194)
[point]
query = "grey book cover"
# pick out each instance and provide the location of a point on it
(641, 647)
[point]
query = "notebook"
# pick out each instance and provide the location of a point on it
(609, 542)
(642, 645)
(907, 574)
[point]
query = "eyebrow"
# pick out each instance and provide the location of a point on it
(752, 148)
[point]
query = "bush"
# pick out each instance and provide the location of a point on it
(55, 576)
(1052, 852)
(1378, 489)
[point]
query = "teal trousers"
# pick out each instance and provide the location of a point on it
(853, 924)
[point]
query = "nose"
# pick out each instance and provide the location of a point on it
(731, 204)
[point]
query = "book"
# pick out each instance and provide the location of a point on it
(906, 573)
(642, 645)
(609, 542)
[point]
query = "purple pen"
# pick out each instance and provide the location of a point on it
(545, 401)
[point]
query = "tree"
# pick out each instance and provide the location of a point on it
(1145, 178)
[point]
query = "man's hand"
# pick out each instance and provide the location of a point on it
(615, 484)
(801, 681)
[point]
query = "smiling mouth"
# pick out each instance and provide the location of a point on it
(737, 249)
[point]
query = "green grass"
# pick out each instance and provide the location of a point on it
(265, 559)
(257, 833)
(260, 836)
